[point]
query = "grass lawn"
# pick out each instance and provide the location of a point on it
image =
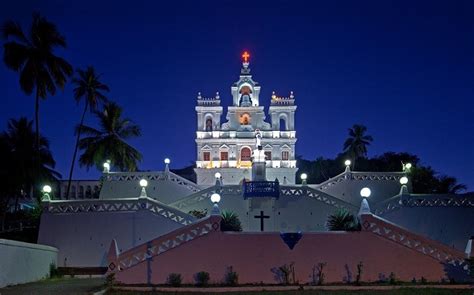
(402, 291)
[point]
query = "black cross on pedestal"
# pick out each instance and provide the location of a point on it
(262, 219)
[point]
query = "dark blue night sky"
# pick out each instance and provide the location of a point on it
(405, 69)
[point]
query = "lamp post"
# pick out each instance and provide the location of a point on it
(304, 178)
(143, 184)
(403, 188)
(106, 166)
(406, 167)
(167, 165)
(218, 177)
(46, 191)
(215, 199)
(365, 192)
(348, 165)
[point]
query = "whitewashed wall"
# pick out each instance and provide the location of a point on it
(83, 239)
(24, 262)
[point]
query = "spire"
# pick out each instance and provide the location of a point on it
(364, 207)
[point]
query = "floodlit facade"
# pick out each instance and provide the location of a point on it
(226, 147)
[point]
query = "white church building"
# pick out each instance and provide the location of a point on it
(227, 147)
(250, 162)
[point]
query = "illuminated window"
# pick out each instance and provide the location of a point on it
(206, 156)
(245, 154)
(268, 155)
(224, 156)
(285, 155)
(208, 124)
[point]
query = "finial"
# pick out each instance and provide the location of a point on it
(199, 95)
(291, 95)
(273, 95)
(217, 95)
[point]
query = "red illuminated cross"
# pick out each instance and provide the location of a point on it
(246, 56)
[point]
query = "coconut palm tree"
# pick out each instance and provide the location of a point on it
(342, 220)
(109, 141)
(449, 185)
(89, 88)
(356, 144)
(31, 54)
(25, 177)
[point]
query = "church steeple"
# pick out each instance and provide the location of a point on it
(245, 91)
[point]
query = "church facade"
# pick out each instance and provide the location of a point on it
(226, 147)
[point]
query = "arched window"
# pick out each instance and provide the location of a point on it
(283, 126)
(209, 124)
(245, 154)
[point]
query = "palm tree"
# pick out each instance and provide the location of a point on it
(88, 87)
(108, 142)
(24, 173)
(343, 220)
(230, 222)
(356, 144)
(32, 56)
(449, 185)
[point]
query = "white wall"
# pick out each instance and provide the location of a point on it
(24, 262)
(83, 239)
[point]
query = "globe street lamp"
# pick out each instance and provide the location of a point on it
(106, 166)
(215, 199)
(304, 177)
(143, 183)
(46, 191)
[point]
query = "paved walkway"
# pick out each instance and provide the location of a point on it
(56, 286)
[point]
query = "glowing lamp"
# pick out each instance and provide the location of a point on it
(217, 175)
(47, 189)
(408, 165)
(167, 161)
(143, 182)
(215, 198)
(107, 165)
(304, 176)
(347, 162)
(365, 192)
(403, 180)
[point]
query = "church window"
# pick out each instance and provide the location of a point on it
(245, 90)
(245, 154)
(268, 155)
(285, 155)
(208, 124)
(283, 123)
(206, 156)
(224, 156)
(244, 119)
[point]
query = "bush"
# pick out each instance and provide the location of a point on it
(202, 279)
(343, 220)
(53, 271)
(392, 279)
(359, 273)
(174, 279)
(231, 277)
(110, 280)
(230, 222)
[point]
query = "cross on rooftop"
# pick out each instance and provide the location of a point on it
(246, 56)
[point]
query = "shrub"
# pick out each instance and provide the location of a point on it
(202, 279)
(231, 277)
(174, 279)
(359, 273)
(198, 213)
(287, 272)
(318, 273)
(423, 280)
(53, 271)
(392, 279)
(230, 222)
(110, 280)
(343, 220)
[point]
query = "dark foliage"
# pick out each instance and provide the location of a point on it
(342, 220)
(230, 222)
(174, 279)
(202, 279)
